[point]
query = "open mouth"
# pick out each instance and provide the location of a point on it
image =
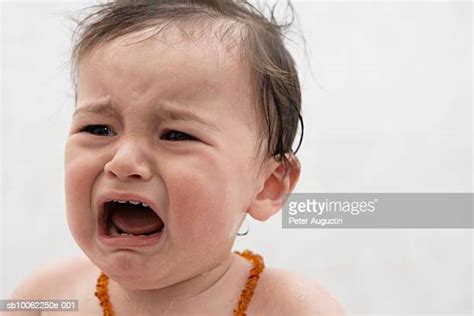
(127, 218)
(129, 223)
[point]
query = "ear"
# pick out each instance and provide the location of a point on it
(276, 184)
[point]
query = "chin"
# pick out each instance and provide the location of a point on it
(137, 280)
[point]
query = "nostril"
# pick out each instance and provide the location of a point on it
(125, 171)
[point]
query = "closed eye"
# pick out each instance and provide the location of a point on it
(175, 136)
(98, 130)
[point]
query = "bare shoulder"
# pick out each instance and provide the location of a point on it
(287, 293)
(54, 279)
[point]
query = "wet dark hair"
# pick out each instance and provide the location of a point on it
(275, 82)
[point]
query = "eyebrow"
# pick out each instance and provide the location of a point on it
(163, 112)
(96, 108)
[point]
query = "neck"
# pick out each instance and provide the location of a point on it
(200, 288)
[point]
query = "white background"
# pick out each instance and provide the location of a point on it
(387, 107)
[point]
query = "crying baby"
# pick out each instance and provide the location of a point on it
(185, 116)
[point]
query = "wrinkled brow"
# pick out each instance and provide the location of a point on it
(163, 112)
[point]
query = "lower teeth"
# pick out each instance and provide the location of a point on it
(127, 234)
(114, 231)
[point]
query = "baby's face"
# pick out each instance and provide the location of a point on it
(177, 126)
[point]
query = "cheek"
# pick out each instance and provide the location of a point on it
(204, 202)
(200, 208)
(79, 174)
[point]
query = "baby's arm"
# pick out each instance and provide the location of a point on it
(43, 283)
(28, 289)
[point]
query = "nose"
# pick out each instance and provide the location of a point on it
(129, 162)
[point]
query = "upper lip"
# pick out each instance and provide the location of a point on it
(111, 196)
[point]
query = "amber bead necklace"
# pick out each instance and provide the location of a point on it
(245, 296)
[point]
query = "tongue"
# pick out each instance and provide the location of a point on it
(136, 220)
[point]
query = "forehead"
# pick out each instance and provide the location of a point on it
(165, 66)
